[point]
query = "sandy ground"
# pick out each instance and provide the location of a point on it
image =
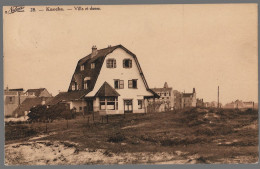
(62, 153)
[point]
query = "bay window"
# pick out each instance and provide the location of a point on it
(108, 103)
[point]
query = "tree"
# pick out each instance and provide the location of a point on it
(37, 113)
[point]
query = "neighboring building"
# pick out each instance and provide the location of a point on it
(41, 92)
(18, 102)
(108, 81)
(28, 103)
(200, 103)
(166, 100)
(239, 104)
(12, 99)
(189, 99)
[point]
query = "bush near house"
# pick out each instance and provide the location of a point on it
(37, 113)
(42, 113)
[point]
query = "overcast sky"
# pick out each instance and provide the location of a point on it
(188, 46)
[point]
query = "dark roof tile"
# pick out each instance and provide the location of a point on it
(106, 90)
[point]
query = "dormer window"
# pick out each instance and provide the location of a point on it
(127, 63)
(74, 86)
(82, 67)
(111, 63)
(86, 82)
(92, 66)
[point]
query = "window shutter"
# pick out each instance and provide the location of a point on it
(114, 63)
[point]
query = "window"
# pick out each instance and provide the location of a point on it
(11, 99)
(108, 103)
(140, 104)
(102, 103)
(82, 67)
(92, 66)
(132, 84)
(119, 84)
(74, 86)
(127, 63)
(86, 82)
(111, 63)
(164, 94)
(80, 108)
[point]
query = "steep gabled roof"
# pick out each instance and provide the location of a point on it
(106, 90)
(98, 59)
(36, 91)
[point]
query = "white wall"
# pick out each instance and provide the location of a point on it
(109, 74)
(77, 105)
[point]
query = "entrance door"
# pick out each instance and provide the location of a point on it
(89, 105)
(128, 106)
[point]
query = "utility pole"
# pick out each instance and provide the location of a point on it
(218, 96)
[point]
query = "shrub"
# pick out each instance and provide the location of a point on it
(116, 138)
(37, 113)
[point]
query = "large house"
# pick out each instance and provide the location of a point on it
(108, 81)
(166, 100)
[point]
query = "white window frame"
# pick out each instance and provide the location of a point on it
(130, 63)
(130, 84)
(111, 63)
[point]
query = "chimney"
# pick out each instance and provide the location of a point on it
(94, 51)
(109, 46)
(166, 85)
(194, 90)
(7, 88)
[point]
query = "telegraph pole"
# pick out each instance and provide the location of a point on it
(218, 96)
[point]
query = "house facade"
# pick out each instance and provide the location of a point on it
(166, 100)
(108, 81)
(12, 99)
(189, 99)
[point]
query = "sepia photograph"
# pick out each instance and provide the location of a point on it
(131, 84)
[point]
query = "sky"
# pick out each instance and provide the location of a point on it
(200, 46)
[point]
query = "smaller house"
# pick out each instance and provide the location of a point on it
(200, 103)
(41, 92)
(28, 103)
(74, 98)
(189, 99)
(12, 99)
(29, 99)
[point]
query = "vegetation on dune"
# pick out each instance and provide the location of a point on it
(197, 130)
